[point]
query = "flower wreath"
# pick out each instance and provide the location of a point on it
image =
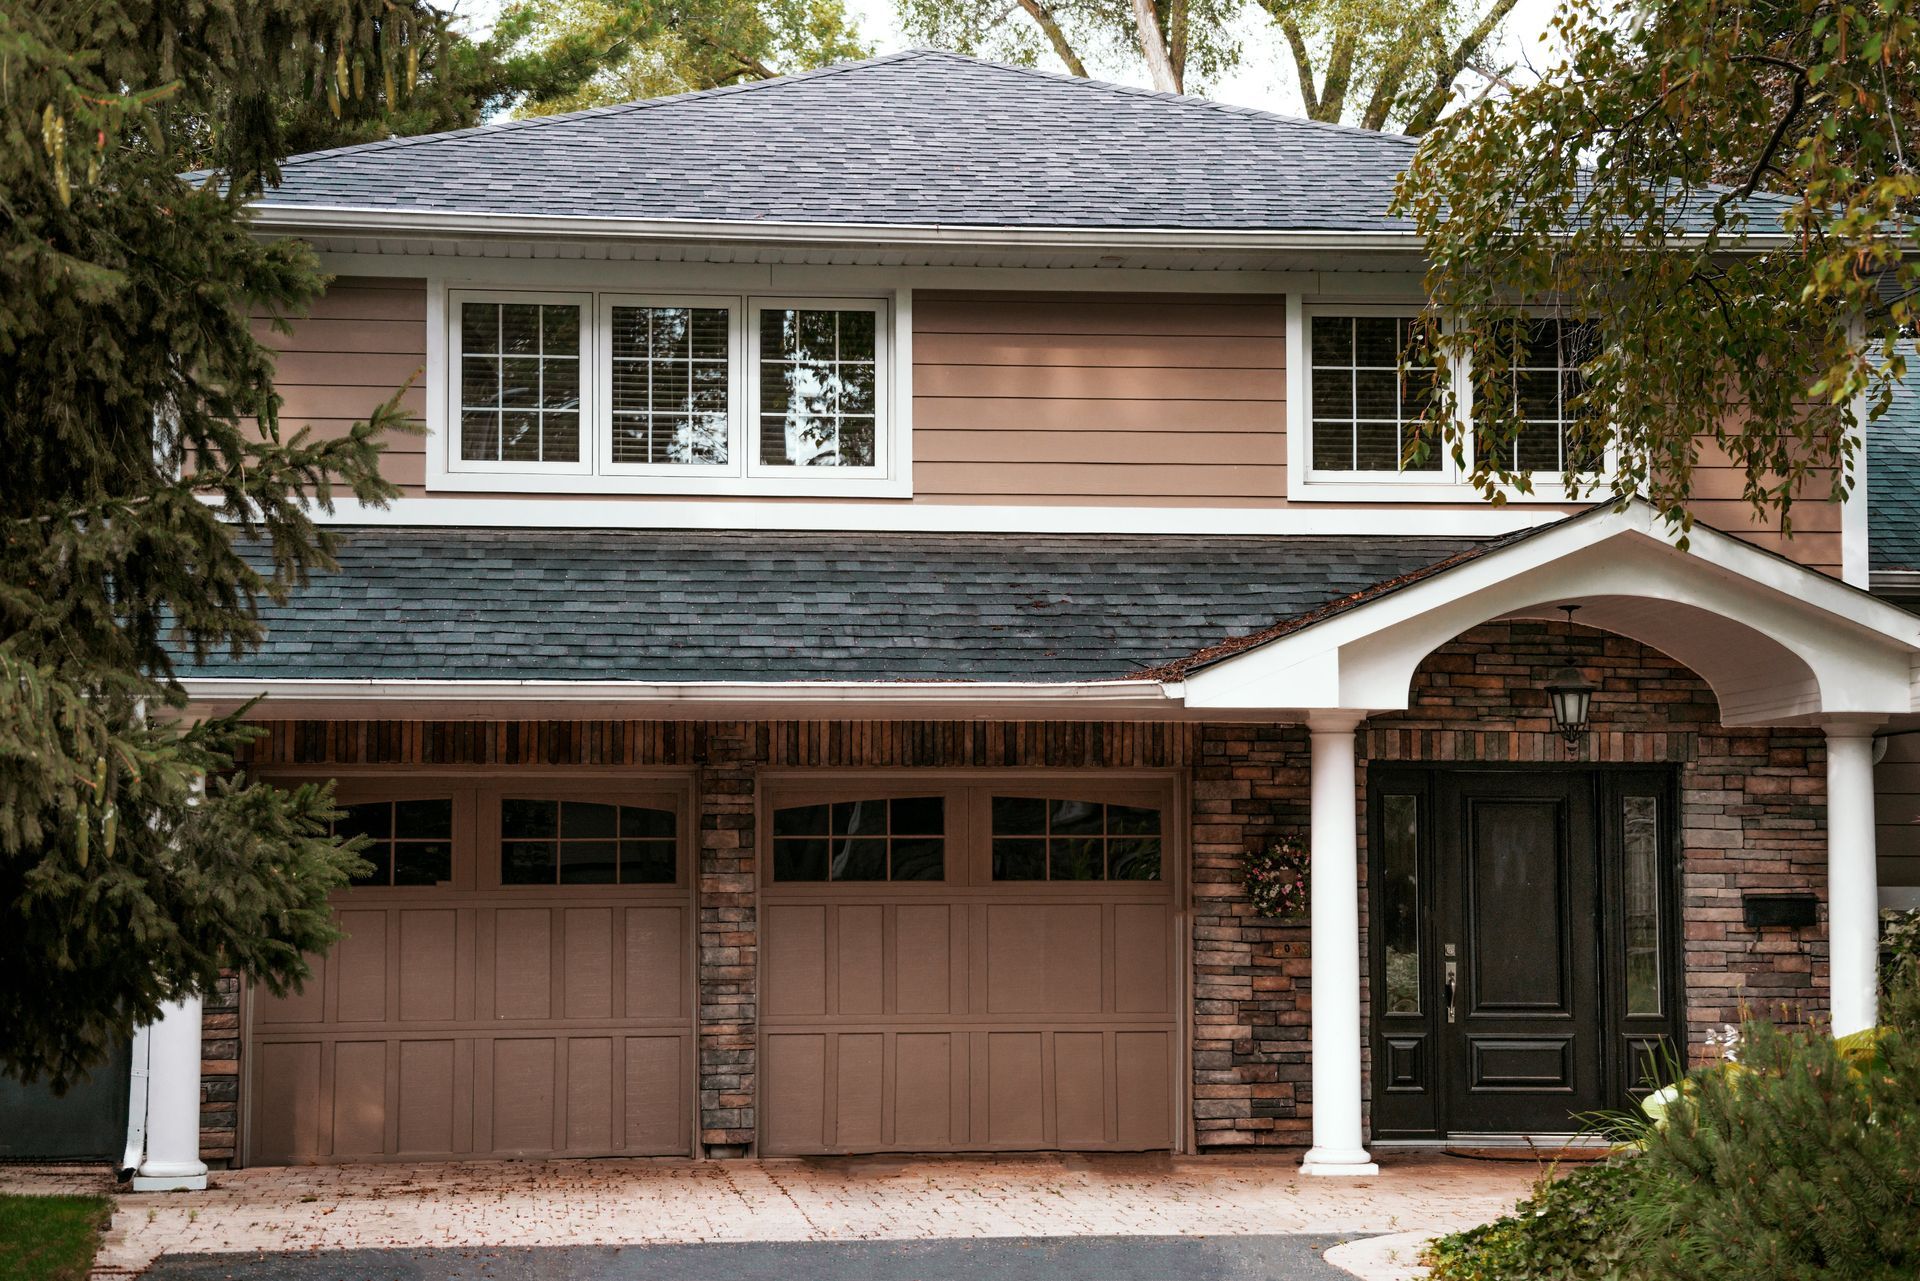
(1275, 875)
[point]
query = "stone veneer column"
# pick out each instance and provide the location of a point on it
(1853, 891)
(1339, 1139)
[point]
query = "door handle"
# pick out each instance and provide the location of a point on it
(1452, 975)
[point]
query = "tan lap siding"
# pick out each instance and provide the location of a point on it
(1897, 809)
(1099, 398)
(358, 345)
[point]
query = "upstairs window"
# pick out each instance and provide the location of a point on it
(723, 394)
(1365, 406)
(1547, 355)
(519, 383)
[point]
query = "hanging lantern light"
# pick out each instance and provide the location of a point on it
(1570, 693)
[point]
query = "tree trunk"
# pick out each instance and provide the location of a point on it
(1058, 38)
(1446, 74)
(1153, 47)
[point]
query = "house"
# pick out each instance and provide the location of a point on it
(888, 542)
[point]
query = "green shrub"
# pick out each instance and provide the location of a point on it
(1803, 1164)
(1571, 1228)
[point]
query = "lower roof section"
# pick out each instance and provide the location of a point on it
(675, 606)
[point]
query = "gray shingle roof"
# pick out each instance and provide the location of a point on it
(1893, 483)
(653, 605)
(921, 137)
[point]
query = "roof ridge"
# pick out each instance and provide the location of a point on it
(495, 127)
(1182, 99)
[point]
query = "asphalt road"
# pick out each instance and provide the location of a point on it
(1227, 1258)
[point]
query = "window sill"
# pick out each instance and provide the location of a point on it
(810, 486)
(1449, 492)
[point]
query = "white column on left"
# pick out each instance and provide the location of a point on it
(172, 1162)
(1339, 1145)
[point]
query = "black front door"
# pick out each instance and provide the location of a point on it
(1522, 953)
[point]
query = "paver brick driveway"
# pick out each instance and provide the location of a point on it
(1201, 1217)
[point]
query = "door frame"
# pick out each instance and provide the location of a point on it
(1176, 869)
(1412, 1110)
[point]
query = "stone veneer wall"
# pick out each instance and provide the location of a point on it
(1752, 805)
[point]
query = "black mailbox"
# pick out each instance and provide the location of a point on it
(1764, 911)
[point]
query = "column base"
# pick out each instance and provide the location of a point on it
(158, 1176)
(1337, 1163)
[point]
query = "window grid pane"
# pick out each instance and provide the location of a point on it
(411, 842)
(547, 842)
(671, 385)
(1365, 410)
(1546, 379)
(520, 382)
(1074, 840)
(899, 839)
(819, 378)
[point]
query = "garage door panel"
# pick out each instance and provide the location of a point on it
(923, 959)
(286, 1110)
(427, 1092)
(924, 1099)
(429, 964)
(590, 1098)
(857, 962)
(1143, 1063)
(308, 1005)
(522, 1088)
(1143, 974)
(656, 949)
(1044, 958)
(1015, 1110)
(360, 968)
(359, 1098)
(655, 1099)
(859, 1092)
(796, 968)
(796, 1092)
(587, 973)
(1080, 1089)
(523, 963)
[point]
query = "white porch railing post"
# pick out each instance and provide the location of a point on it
(172, 1162)
(1853, 883)
(1339, 1142)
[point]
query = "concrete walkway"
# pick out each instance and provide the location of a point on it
(641, 1202)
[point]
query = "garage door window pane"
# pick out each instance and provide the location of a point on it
(408, 841)
(1074, 840)
(586, 843)
(901, 839)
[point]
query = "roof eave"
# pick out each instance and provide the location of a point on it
(287, 219)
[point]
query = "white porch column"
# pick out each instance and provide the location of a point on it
(1853, 882)
(172, 1162)
(1339, 1145)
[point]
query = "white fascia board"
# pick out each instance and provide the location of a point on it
(304, 219)
(898, 516)
(688, 699)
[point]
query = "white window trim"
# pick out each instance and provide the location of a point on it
(882, 360)
(1450, 486)
(517, 467)
(891, 477)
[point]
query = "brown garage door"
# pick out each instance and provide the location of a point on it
(514, 981)
(969, 966)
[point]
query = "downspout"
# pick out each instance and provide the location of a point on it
(136, 1149)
